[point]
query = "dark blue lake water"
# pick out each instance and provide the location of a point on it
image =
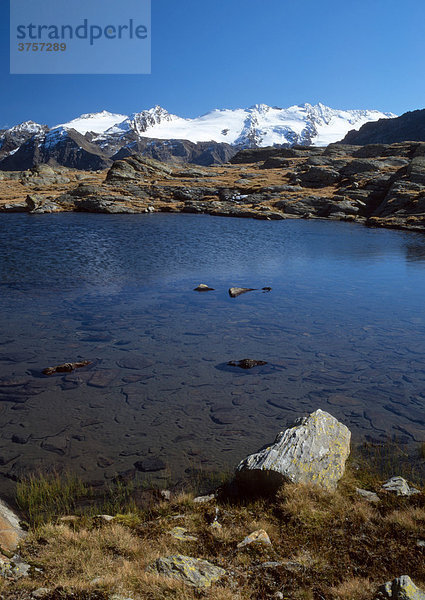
(343, 329)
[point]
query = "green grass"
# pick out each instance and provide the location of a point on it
(45, 497)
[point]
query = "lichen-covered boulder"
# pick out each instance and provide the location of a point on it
(192, 571)
(401, 588)
(313, 451)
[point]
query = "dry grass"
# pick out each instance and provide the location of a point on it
(324, 545)
(356, 588)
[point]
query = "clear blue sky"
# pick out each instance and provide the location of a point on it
(235, 53)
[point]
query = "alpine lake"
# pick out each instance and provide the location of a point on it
(342, 329)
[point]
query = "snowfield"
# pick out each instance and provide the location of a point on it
(257, 126)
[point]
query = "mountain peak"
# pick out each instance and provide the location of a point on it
(94, 122)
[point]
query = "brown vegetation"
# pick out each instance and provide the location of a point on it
(324, 545)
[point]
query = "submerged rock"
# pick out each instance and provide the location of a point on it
(313, 451)
(399, 486)
(66, 367)
(401, 588)
(246, 363)
(150, 465)
(234, 292)
(192, 571)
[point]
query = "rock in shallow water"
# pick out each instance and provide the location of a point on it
(246, 363)
(234, 292)
(203, 287)
(314, 451)
(66, 367)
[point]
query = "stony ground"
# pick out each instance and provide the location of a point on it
(378, 185)
(308, 544)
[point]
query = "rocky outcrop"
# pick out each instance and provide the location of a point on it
(401, 588)
(37, 204)
(409, 126)
(192, 571)
(313, 451)
(255, 155)
(378, 185)
(316, 177)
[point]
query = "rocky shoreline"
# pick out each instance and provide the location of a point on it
(376, 185)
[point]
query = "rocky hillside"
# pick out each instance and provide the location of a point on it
(409, 127)
(377, 185)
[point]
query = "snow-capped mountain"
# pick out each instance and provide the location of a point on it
(95, 122)
(11, 139)
(219, 133)
(259, 125)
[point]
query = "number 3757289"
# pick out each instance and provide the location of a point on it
(41, 47)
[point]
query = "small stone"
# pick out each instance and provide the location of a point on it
(399, 486)
(202, 287)
(234, 292)
(256, 537)
(203, 499)
(41, 592)
(166, 495)
(420, 543)
(401, 588)
(270, 564)
(367, 495)
(15, 568)
(105, 518)
(69, 519)
(278, 596)
(182, 534)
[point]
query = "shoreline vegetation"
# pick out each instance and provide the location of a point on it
(304, 542)
(378, 185)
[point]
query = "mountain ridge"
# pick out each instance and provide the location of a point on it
(105, 134)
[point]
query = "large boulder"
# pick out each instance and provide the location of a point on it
(401, 588)
(11, 533)
(313, 451)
